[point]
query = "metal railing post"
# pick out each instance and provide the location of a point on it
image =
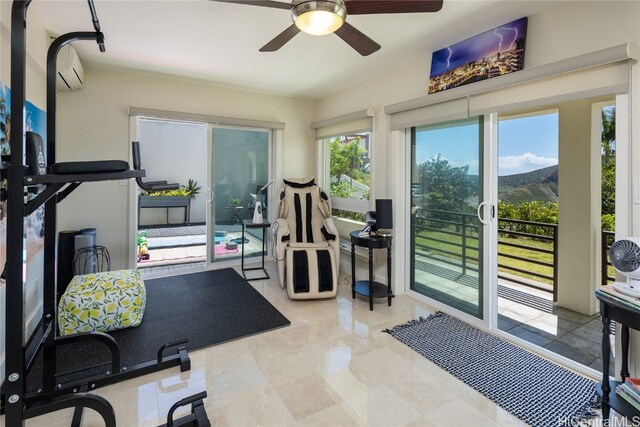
(555, 263)
(604, 257)
(464, 244)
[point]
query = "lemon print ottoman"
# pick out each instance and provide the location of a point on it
(102, 302)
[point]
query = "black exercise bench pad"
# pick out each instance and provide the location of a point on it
(98, 166)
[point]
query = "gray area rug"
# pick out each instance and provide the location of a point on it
(537, 391)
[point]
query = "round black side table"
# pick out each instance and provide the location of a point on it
(370, 288)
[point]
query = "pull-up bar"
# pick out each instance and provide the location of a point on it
(96, 26)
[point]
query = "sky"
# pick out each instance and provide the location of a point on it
(528, 143)
(524, 144)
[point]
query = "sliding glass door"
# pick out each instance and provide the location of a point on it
(239, 161)
(447, 214)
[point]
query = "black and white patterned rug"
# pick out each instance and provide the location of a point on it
(537, 391)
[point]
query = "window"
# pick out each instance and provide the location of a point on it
(344, 167)
(347, 178)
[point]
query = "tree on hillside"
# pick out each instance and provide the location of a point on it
(608, 141)
(608, 137)
(537, 211)
(444, 186)
(347, 160)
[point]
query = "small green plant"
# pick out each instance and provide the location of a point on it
(234, 202)
(192, 189)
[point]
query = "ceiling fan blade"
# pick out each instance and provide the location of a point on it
(281, 39)
(354, 38)
(362, 7)
(264, 3)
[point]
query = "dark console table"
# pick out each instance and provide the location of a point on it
(166, 202)
(627, 318)
(370, 288)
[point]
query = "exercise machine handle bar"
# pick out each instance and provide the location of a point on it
(149, 187)
(96, 26)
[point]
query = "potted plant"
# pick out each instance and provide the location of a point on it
(192, 189)
(180, 198)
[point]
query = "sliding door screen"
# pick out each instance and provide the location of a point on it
(446, 233)
(239, 168)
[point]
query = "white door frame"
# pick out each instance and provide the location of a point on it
(132, 232)
(490, 241)
(627, 187)
(488, 261)
(274, 150)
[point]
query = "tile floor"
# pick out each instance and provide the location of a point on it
(332, 367)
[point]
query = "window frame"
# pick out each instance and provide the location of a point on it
(358, 206)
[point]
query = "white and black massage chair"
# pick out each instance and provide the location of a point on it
(307, 242)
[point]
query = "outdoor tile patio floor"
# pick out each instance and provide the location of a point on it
(169, 270)
(531, 315)
(178, 254)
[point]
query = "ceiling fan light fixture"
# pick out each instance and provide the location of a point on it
(319, 17)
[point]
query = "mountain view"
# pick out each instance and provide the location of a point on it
(538, 185)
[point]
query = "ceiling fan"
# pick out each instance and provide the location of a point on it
(320, 17)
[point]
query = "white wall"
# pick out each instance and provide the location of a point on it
(579, 186)
(174, 152)
(94, 124)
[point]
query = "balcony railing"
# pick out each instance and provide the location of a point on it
(450, 233)
(455, 235)
(607, 239)
(533, 232)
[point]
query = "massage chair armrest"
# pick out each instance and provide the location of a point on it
(331, 235)
(281, 230)
(281, 247)
(334, 243)
(331, 228)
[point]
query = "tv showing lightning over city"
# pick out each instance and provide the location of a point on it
(490, 54)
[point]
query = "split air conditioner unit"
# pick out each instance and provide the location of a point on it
(70, 72)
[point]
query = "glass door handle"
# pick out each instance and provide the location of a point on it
(480, 216)
(210, 192)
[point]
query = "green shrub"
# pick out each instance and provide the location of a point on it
(192, 190)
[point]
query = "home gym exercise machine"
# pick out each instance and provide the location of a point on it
(59, 180)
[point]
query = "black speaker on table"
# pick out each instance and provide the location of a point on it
(384, 216)
(66, 251)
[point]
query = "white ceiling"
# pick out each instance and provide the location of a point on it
(219, 42)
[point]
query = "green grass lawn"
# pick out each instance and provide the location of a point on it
(452, 243)
(526, 253)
